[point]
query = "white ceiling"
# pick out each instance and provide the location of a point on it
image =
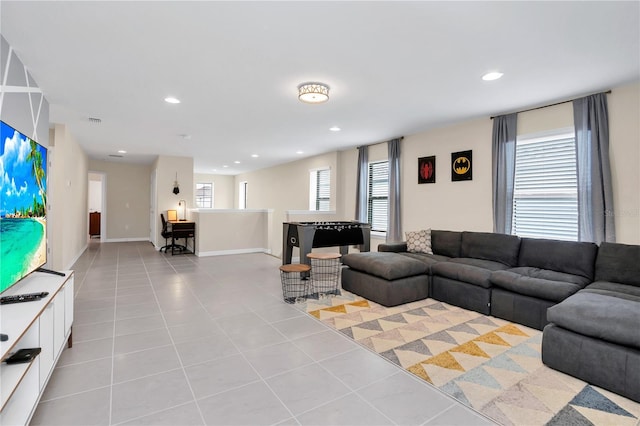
(394, 68)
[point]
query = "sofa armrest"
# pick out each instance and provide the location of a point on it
(393, 247)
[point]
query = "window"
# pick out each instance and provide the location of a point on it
(545, 196)
(204, 195)
(242, 195)
(320, 189)
(378, 195)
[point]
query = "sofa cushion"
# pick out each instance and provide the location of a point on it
(390, 266)
(446, 243)
(480, 263)
(599, 316)
(419, 241)
(457, 270)
(576, 258)
(428, 259)
(623, 291)
(489, 246)
(536, 283)
(618, 263)
(393, 247)
(546, 274)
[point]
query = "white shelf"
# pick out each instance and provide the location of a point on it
(31, 325)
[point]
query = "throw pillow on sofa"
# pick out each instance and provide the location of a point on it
(419, 241)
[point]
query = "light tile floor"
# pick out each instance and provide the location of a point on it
(182, 340)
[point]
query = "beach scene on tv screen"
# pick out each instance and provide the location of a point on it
(23, 206)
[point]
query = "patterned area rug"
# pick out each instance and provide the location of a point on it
(489, 364)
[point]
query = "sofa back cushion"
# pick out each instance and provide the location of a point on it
(570, 257)
(618, 263)
(490, 246)
(446, 243)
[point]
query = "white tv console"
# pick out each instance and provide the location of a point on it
(45, 324)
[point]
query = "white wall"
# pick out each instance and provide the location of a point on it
(624, 150)
(95, 193)
(220, 232)
(127, 199)
(68, 190)
(286, 187)
(467, 205)
(223, 189)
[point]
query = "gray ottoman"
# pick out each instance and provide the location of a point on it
(389, 279)
(595, 337)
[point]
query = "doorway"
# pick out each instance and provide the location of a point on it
(96, 200)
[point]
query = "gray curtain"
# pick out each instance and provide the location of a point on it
(504, 167)
(394, 226)
(363, 182)
(595, 194)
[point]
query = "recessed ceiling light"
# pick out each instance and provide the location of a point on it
(236, 162)
(171, 100)
(255, 155)
(225, 165)
(490, 76)
(335, 129)
(122, 151)
(299, 152)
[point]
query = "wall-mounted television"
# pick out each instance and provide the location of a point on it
(23, 206)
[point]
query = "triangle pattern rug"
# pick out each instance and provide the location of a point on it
(486, 363)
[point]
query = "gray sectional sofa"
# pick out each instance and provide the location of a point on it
(585, 297)
(595, 334)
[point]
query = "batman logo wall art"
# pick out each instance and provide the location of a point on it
(461, 165)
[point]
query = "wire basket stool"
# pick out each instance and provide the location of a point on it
(325, 273)
(295, 282)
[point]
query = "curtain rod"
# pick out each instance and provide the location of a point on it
(547, 106)
(378, 143)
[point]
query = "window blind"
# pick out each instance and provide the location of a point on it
(545, 202)
(323, 189)
(378, 196)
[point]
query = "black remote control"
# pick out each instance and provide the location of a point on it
(23, 355)
(18, 298)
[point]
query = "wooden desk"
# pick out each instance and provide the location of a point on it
(182, 229)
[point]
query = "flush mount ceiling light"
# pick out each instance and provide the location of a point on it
(172, 100)
(335, 129)
(313, 93)
(490, 76)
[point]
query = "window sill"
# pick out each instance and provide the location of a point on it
(379, 234)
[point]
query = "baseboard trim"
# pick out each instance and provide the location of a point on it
(227, 252)
(125, 240)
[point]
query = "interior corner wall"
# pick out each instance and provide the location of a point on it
(286, 187)
(68, 192)
(166, 168)
(127, 198)
(223, 189)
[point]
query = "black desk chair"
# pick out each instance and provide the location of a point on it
(166, 234)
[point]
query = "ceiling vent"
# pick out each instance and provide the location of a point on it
(94, 120)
